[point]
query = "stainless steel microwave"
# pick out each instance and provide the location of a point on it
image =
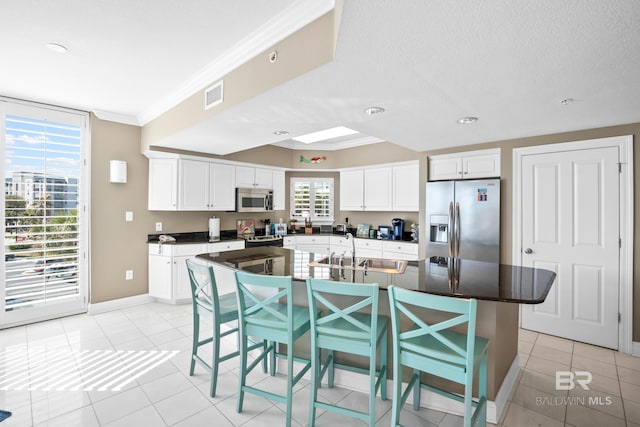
(254, 200)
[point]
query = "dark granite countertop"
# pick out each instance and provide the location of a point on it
(437, 275)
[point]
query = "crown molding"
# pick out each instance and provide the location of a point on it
(116, 117)
(293, 18)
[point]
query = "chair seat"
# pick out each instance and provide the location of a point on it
(228, 304)
(334, 335)
(424, 346)
(262, 322)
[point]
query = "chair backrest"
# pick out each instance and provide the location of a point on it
(251, 300)
(319, 291)
(204, 290)
(402, 304)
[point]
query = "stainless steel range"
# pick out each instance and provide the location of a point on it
(253, 241)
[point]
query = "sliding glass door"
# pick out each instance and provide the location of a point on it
(45, 219)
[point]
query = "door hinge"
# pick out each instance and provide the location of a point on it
(620, 243)
(619, 317)
(619, 167)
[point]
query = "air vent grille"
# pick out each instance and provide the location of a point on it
(214, 95)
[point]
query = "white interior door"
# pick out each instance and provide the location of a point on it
(571, 224)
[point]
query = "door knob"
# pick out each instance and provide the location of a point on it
(528, 251)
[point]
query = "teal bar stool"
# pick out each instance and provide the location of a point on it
(437, 350)
(222, 309)
(344, 329)
(271, 319)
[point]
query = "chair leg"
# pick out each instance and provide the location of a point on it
(331, 369)
(383, 365)
(482, 391)
(215, 352)
(372, 389)
(289, 383)
(196, 337)
(468, 406)
(396, 404)
(272, 357)
(416, 390)
(243, 372)
(316, 368)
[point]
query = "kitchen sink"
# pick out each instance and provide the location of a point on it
(393, 266)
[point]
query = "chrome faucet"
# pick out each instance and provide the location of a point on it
(353, 249)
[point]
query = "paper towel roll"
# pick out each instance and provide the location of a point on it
(214, 228)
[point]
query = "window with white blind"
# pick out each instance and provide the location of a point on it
(45, 226)
(312, 198)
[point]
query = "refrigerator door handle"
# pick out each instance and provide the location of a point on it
(457, 221)
(451, 226)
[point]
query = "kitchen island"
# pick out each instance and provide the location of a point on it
(499, 289)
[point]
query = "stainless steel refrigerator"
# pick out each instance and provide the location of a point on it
(464, 219)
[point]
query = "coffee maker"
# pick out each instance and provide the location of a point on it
(397, 228)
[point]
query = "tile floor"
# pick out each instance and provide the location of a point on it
(163, 394)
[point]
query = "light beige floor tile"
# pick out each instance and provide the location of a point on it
(519, 416)
(538, 401)
(84, 417)
(182, 405)
(546, 366)
(628, 375)
(630, 392)
(596, 367)
(583, 416)
(600, 401)
(594, 352)
(147, 417)
(527, 335)
(540, 381)
(632, 410)
(555, 342)
(523, 358)
(605, 384)
(525, 346)
(209, 417)
(550, 353)
(627, 360)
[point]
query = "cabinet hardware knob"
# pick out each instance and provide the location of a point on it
(528, 251)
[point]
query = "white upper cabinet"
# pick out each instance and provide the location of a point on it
(387, 188)
(250, 177)
(466, 165)
(279, 189)
(351, 190)
(406, 188)
(163, 184)
(205, 186)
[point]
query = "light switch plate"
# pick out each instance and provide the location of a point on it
(128, 216)
(128, 275)
(158, 226)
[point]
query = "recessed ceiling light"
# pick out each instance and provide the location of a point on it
(567, 101)
(281, 132)
(58, 48)
(467, 120)
(374, 110)
(325, 134)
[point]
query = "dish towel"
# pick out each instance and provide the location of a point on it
(4, 415)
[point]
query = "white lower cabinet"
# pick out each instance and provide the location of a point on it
(340, 245)
(368, 248)
(317, 244)
(392, 249)
(168, 275)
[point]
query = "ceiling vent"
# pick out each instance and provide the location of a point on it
(214, 95)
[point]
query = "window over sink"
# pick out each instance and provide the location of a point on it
(312, 198)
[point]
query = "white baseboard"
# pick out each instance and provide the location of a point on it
(116, 304)
(428, 399)
(635, 348)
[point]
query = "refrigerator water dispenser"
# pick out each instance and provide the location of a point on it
(439, 230)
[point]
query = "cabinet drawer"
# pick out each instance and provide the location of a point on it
(406, 248)
(288, 241)
(230, 245)
(339, 241)
(368, 244)
(318, 240)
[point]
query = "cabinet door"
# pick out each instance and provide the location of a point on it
(352, 190)
(222, 185)
(263, 178)
(447, 168)
(377, 189)
(481, 166)
(279, 190)
(163, 184)
(245, 177)
(193, 189)
(406, 188)
(160, 276)
(230, 245)
(181, 284)
(400, 250)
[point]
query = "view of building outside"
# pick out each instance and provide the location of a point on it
(41, 193)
